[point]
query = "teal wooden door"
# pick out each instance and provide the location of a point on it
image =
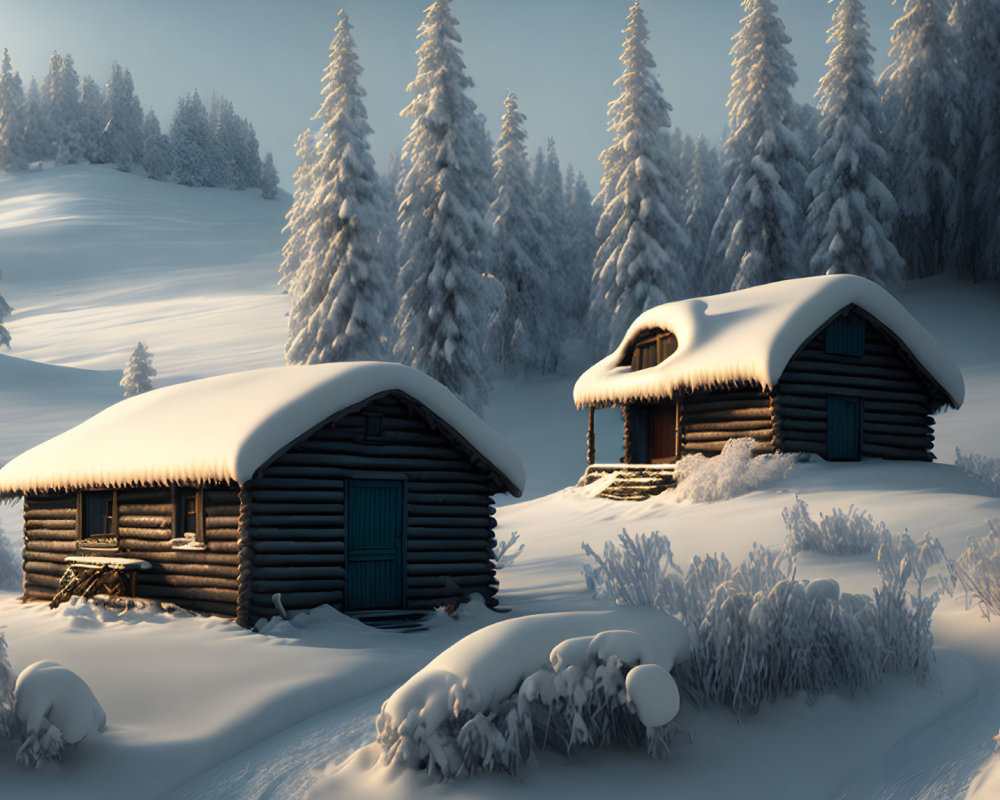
(843, 428)
(375, 552)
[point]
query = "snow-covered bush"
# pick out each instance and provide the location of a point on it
(984, 468)
(839, 534)
(757, 633)
(55, 710)
(485, 703)
(735, 471)
(504, 553)
(978, 569)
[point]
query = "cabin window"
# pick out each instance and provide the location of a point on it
(653, 350)
(373, 426)
(189, 515)
(98, 524)
(845, 336)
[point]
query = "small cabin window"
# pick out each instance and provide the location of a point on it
(653, 350)
(97, 518)
(373, 426)
(845, 336)
(189, 515)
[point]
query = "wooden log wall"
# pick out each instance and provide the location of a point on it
(897, 399)
(709, 419)
(297, 525)
(201, 580)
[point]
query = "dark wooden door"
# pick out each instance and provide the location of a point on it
(663, 433)
(843, 428)
(375, 553)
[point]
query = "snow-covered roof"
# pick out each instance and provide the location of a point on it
(749, 336)
(224, 428)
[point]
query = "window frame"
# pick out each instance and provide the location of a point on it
(181, 496)
(91, 524)
(663, 344)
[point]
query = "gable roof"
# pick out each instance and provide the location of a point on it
(226, 427)
(749, 336)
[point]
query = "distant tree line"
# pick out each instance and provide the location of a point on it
(463, 260)
(70, 120)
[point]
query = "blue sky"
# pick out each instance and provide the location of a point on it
(559, 56)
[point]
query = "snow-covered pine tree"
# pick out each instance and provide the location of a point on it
(190, 141)
(523, 329)
(851, 210)
(5, 311)
(921, 88)
(756, 237)
(976, 162)
(236, 157)
(35, 124)
(121, 140)
(300, 215)
(156, 156)
(704, 195)
(268, 178)
(92, 119)
(444, 232)
(63, 107)
(559, 297)
(11, 117)
(341, 292)
(644, 252)
(582, 247)
(138, 374)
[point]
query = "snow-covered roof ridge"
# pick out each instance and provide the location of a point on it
(226, 427)
(749, 336)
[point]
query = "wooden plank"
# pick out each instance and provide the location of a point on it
(289, 547)
(227, 571)
(450, 569)
(761, 435)
(882, 451)
(465, 546)
(908, 442)
(293, 497)
(296, 534)
(317, 472)
(181, 594)
(298, 572)
(448, 557)
(422, 532)
(51, 514)
(290, 586)
(368, 462)
(45, 567)
(484, 520)
(732, 428)
(37, 531)
(49, 546)
(154, 579)
(864, 393)
(840, 381)
(156, 510)
(294, 560)
(465, 582)
(298, 508)
(382, 449)
(326, 522)
(135, 521)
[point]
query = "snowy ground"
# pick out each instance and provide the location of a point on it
(95, 260)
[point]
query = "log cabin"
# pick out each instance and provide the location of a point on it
(831, 365)
(366, 486)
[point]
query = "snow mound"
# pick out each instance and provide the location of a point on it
(56, 710)
(486, 701)
(750, 336)
(210, 430)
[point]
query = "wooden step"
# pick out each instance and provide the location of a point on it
(630, 481)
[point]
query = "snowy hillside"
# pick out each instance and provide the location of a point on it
(200, 708)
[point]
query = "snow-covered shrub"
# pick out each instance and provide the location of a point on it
(735, 471)
(984, 468)
(485, 703)
(55, 710)
(504, 553)
(8, 722)
(978, 569)
(757, 633)
(839, 534)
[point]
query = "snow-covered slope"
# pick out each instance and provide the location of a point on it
(95, 260)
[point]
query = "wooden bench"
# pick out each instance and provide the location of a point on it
(86, 575)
